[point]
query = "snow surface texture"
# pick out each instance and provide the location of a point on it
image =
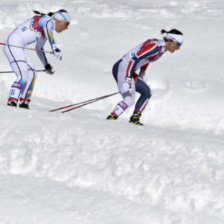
(79, 168)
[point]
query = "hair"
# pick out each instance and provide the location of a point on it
(49, 13)
(173, 31)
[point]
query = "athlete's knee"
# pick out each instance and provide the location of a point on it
(145, 92)
(129, 100)
(23, 82)
(148, 94)
(32, 74)
(20, 80)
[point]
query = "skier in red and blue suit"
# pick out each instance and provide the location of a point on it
(129, 82)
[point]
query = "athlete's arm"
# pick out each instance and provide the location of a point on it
(147, 50)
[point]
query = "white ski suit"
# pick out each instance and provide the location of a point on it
(36, 29)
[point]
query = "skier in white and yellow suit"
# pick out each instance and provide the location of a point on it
(37, 29)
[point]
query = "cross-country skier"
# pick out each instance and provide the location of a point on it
(129, 82)
(37, 29)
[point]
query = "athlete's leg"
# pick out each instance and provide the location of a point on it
(18, 64)
(144, 90)
(30, 77)
(119, 70)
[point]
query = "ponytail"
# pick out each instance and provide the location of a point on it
(163, 31)
(173, 31)
(43, 14)
(49, 14)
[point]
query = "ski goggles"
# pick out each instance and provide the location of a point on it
(179, 44)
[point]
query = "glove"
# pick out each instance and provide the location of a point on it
(57, 52)
(49, 69)
(126, 86)
(142, 73)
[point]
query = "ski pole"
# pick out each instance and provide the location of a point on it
(43, 70)
(91, 101)
(72, 105)
(32, 49)
(83, 103)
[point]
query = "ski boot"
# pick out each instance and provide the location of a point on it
(24, 104)
(12, 102)
(112, 116)
(135, 119)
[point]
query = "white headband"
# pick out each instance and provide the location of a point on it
(175, 37)
(64, 16)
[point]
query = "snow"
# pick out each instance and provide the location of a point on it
(78, 167)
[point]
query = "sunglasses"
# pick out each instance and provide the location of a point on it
(67, 23)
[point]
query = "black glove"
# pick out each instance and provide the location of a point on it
(142, 73)
(49, 69)
(57, 52)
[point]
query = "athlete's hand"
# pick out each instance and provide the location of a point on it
(142, 73)
(57, 52)
(49, 69)
(126, 86)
